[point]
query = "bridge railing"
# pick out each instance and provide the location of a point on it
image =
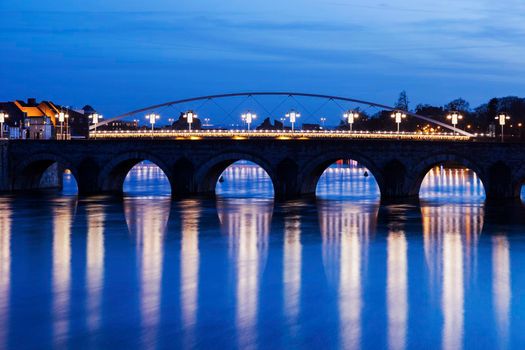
(273, 134)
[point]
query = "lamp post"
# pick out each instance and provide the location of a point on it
(189, 116)
(398, 117)
(95, 117)
(323, 120)
(61, 117)
(3, 117)
(170, 121)
(152, 117)
(293, 115)
(282, 121)
(207, 121)
(351, 116)
(454, 117)
(248, 117)
(502, 117)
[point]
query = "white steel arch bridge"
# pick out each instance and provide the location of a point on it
(247, 95)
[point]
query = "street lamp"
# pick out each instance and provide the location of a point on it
(248, 117)
(3, 117)
(170, 121)
(61, 117)
(293, 115)
(207, 121)
(454, 117)
(398, 117)
(189, 116)
(282, 121)
(95, 117)
(152, 117)
(323, 119)
(502, 117)
(350, 116)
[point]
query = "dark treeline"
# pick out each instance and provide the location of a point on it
(480, 119)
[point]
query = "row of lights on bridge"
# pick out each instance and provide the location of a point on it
(190, 117)
(454, 118)
(248, 117)
(502, 118)
(349, 116)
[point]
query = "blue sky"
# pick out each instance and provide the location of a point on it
(121, 55)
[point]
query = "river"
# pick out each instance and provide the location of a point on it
(243, 271)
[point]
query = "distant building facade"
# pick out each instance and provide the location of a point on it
(39, 120)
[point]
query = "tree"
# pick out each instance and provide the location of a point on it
(402, 101)
(492, 110)
(459, 105)
(429, 111)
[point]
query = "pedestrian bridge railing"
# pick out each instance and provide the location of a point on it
(272, 134)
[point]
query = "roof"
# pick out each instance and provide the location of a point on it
(32, 109)
(43, 109)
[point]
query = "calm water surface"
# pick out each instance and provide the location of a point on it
(244, 272)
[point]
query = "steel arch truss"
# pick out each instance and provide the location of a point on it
(282, 93)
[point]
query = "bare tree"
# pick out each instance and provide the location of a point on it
(402, 101)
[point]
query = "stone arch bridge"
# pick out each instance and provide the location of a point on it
(294, 166)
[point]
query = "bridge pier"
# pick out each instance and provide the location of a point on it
(87, 175)
(498, 191)
(500, 183)
(286, 180)
(182, 179)
(394, 182)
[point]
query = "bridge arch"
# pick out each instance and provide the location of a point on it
(312, 172)
(28, 173)
(113, 174)
(210, 171)
(417, 174)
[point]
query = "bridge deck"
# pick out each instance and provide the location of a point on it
(273, 134)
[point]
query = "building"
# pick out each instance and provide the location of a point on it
(39, 120)
(79, 122)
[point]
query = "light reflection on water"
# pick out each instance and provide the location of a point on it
(346, 230)
(341, 272)
(61, 276)
(456, 183)
(348, 180)
(189, 269)
(292, 266)
(397, 271)
(95, 216)
(246, 223)
(501, 287)
(147, 225)
(245, 179)
(5, 268)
